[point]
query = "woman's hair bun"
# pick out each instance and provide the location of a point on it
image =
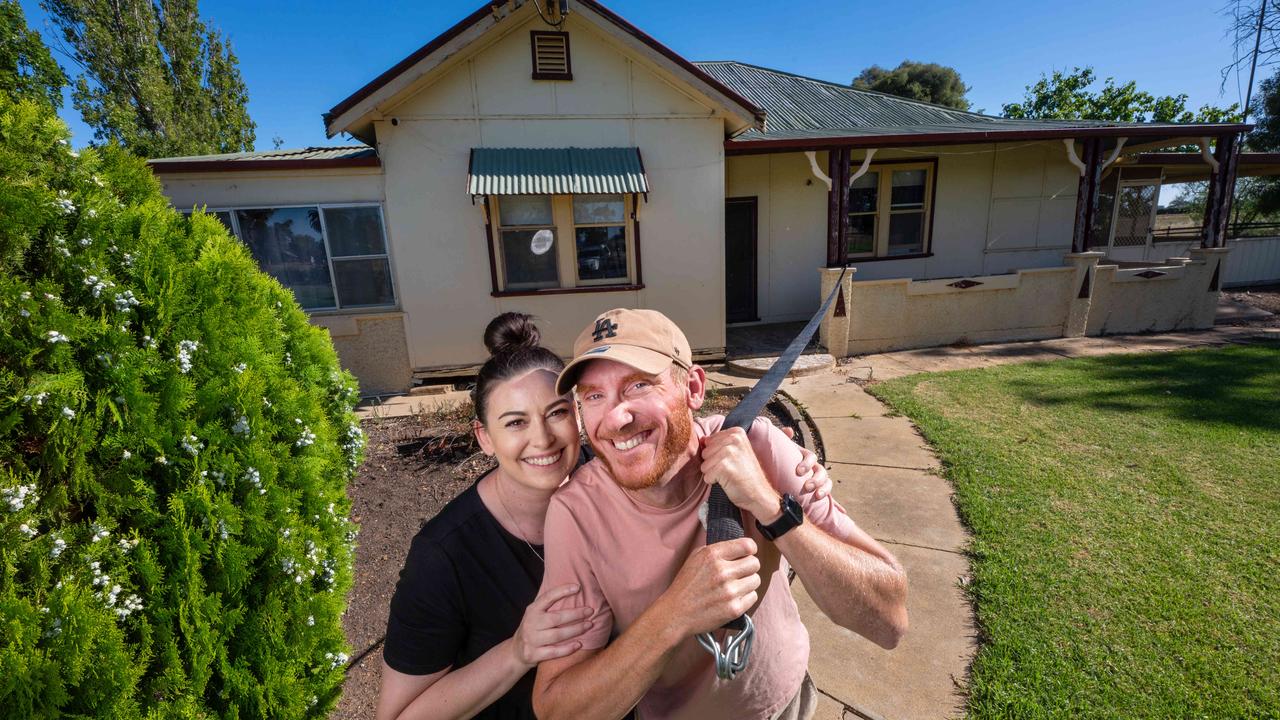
(509, 332)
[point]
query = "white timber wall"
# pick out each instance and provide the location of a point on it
(272, 188)
(998, 208)
(1252, 261)
(487, 99)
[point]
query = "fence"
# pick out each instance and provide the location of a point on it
(1082, 297)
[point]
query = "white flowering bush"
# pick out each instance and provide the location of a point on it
(175, 443)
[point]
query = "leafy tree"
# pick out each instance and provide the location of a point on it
(928, 82)
(175, 445)
(27, 69)
(1069, 96)
(155, 78)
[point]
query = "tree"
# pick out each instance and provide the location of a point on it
(27, 69)
(175, 444)
(1068, 96)
(154, 77)
(928, 82)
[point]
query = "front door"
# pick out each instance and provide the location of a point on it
(740, 260)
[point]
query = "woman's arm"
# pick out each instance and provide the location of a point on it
(456, 694)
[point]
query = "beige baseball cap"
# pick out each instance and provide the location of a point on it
(646, 340)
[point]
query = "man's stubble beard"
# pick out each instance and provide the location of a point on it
(675, 444)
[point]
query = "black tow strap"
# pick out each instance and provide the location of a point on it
(724, 520)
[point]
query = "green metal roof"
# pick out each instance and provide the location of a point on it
(799, 108)
(556, 171)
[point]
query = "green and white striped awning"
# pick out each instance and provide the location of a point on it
(556, 171)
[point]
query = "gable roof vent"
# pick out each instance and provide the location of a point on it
(550, 55)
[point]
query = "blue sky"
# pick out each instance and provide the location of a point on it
(301, 58)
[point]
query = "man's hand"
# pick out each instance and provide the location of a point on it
(716, 584)
(728, 459)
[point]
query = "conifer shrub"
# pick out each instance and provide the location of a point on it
(175, 443)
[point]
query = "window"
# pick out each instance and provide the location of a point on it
(888, 209)
(545, 242)
(333, 257)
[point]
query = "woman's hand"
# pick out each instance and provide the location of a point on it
(817, 481)
(545, 634)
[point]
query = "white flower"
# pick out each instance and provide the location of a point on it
(27, 530)
(311, 620)
(162, 460)
(288, 359)
(64, 203)
(38, 398)
(99, 533)
(86, 242)
(58, 546)
(126, 455)
(24, 312)
(51, 297)
(185, 348)
(68, 413)
(240, 368)
(127, 544)
(18, 498)
(90, 212)
(286, 532)
(336, 660)
(222, 529)
(241, 427)
(26, 295)
(55, 337)
(125, 301)
(192, 444)
(128, 260)
(307, 438)
(265, 401)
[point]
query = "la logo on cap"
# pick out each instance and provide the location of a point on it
(605, 328)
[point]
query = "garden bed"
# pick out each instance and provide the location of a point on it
(414, 466)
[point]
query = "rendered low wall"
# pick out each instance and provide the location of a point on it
(373, 348)
(1075, 299)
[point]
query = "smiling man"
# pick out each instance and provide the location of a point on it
(627, 530)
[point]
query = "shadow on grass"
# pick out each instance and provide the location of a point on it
(1237, 385)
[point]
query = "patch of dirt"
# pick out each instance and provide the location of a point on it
(413, 467)
(1263, 297)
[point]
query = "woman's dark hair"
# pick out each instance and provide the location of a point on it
(512, 339)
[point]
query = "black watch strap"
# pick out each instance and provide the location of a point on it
(792, 516)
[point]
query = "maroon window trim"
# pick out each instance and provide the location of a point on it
(568, 291)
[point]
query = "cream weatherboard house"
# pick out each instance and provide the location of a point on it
(564, 165)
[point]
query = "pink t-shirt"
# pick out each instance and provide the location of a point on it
(624, 554)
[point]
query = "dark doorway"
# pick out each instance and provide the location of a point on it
(740, 260)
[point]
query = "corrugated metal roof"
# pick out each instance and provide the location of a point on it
(794, 102)
(309, 153)
(555, 171)
(800, 108)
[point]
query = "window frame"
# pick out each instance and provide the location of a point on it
(884, 210)
(338, 308)
(566, 237)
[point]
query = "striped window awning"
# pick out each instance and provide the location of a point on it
(556, 171)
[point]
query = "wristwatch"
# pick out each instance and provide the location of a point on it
(792, 516)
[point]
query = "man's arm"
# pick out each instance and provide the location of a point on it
(715, 585)
(854, 580)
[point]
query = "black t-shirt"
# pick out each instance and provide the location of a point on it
(464, 589)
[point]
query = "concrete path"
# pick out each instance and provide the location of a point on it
(887, 478)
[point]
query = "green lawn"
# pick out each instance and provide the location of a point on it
(1126, 521)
